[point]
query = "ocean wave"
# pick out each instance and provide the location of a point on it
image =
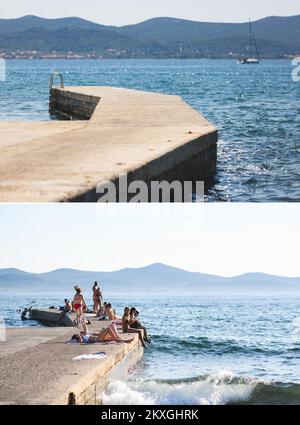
(218, 389)
(163, 343)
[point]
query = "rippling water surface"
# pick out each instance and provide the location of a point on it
(205, 350)
(256, 109)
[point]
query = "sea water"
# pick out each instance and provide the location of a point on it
(256, 109)
(205, 349)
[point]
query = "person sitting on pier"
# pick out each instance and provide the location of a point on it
(112, 315)
(67, 308)
(79, 305)
(127, 329)
(134, 323)
(102, 314)
(106, 335)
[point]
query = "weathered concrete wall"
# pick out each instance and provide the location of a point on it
(193, 163)
(84, 393)
(72, 105)
(52, 317)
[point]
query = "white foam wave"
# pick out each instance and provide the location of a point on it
(220, 388)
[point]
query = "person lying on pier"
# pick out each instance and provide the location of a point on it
(127, 329)
(134, 323)
(106, 335)
(79, 305)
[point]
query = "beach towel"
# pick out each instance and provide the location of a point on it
(95, 356)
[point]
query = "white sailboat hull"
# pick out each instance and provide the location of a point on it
(249, 61)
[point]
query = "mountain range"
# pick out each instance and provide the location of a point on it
(35, 37)
(153, 278)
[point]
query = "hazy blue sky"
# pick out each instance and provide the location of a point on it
(119, 12)
(224, 239)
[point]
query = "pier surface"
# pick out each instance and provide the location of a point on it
(37, 366)
(15, 132)
(148, 136)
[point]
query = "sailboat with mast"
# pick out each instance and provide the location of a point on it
(254, 59)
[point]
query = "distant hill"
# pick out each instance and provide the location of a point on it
(30, 21)
(153, 278)
(277, 37)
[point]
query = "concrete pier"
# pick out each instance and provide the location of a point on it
(147, 136)
(50, 317)
(37, 366)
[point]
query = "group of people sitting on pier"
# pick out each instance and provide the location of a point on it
(104, 311)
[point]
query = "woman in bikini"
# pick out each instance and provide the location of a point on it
(111, 314)
(99, 299)
(79, 304)
(106, 335)
(126, 328)
(95, 298)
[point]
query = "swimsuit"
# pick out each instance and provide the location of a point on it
(86, 339)
(77, 306)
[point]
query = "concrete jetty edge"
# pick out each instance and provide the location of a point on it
(37, 366)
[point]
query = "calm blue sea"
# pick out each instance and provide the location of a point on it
(205, 350)
(256, 109)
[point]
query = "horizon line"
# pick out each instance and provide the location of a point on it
(153, 18)
(149, 265)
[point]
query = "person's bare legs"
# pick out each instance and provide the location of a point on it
(85, 328)
(99, 308)
(114, 331)
(79, 314)
(140, 332)
(145, 331)
(101, 311)
(110, 334)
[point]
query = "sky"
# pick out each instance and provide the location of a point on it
(221, 239)
(122, 12)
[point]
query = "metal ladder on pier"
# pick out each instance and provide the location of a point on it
(61, 77)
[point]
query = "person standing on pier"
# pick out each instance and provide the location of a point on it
(97, 298)
(79, 305)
